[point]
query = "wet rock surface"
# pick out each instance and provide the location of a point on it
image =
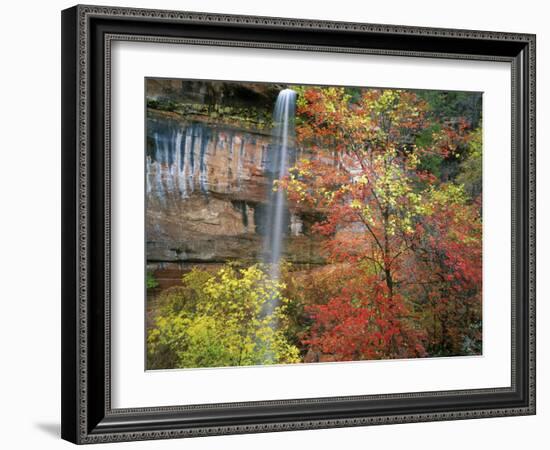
(207, 186)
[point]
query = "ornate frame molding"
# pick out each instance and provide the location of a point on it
(80, 418)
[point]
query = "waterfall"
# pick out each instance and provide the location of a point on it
(277, 167)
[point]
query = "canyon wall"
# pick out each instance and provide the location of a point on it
(207, 181)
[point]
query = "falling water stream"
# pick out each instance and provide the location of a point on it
(277, 214)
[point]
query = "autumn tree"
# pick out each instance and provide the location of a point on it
(415, 238)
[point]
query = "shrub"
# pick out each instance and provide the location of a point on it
(151, 281)
(234, 317)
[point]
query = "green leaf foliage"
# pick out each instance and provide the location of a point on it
(233, 317)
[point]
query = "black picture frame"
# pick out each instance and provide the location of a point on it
(87, 33)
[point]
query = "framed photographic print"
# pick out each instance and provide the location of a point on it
(278, 224)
